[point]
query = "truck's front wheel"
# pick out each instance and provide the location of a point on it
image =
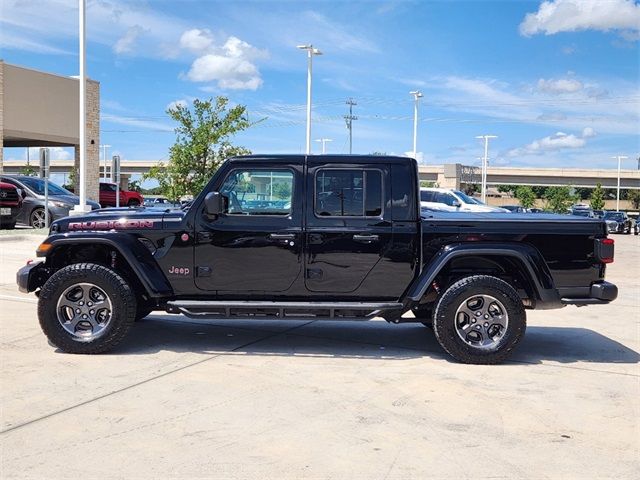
(86, 308)
(479, 319)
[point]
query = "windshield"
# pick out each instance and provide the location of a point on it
(582, 213)
(614, 216)
(37, 185)
(467, 199)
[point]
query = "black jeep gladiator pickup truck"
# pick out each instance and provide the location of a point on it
(335, 237)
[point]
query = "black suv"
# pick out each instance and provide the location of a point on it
(618, 222)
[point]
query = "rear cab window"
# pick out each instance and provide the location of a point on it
(350, 192)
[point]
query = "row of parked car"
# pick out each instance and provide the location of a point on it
(451, 200)
(22, 200)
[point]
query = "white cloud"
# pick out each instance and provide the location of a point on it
(554, 16)
(231, 66)
(55, 153)
(558, 141)
(196, 40)
(559, 86)
(181, 102)
(126, 43)
(136, 122)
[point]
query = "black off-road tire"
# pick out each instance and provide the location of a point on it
(122, 297)
(444, 321)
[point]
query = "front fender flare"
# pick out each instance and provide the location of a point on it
(132, 251)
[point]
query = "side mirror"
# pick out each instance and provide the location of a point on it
(456, 204)
(215, 203)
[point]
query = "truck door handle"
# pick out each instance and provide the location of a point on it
(365, 238)
(282, 236)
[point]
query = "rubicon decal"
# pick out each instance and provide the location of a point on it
(111, 225)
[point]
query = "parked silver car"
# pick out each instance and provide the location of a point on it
(60, 200)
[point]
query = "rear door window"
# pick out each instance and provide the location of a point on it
(348, 193)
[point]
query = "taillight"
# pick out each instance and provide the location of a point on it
(604, 250)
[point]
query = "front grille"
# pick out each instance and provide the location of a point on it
(8, 195)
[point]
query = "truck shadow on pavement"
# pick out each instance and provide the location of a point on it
(353, 339)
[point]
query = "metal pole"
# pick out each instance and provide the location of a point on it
(484, 170)
(485, 163)
(83, 140)
(104, 159)
(349, 119)
(416, 96)
(44, 174)
(116, 173)
(309, 73)
(619, 158)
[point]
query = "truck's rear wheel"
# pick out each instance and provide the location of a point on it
(479, 319)
(86, 308)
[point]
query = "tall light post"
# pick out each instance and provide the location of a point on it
(311, 51)
(104, 159)
(485, 160)
(417, 95)
(619, 158)
(82, 206)
(324, 143)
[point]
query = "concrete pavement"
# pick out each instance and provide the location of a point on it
(300, 399)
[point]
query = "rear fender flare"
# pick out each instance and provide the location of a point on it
(528, 256)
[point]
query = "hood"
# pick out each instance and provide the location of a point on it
(118, 219)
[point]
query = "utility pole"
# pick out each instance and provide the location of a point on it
(619, 158)
(485, 161)
(349, 119)
(310, 53)
(417, 95)
(324, 143)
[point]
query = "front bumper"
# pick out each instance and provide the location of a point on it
(600, 293)
(31, 277)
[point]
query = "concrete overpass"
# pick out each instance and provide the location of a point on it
(447, 176)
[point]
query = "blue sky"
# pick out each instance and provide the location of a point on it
(556, 81)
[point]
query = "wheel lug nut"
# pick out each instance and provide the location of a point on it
(473, 320)
(92, 312)
(80, 303)
(486, 316)
(478, 314)
(90, 304)
(77, 310)
(84, 316)
(486, 324)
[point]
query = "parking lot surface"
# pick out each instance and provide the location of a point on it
(298, 399)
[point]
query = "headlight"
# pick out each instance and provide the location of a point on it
(60, 204)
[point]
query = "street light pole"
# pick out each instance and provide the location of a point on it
(416, 96)
(619, 158)
(104, 159)
(310, 53)
(324, 143)
(485, 160)
(82, 206)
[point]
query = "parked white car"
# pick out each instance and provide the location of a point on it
(450, 200)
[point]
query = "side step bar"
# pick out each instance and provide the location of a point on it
(281, 310)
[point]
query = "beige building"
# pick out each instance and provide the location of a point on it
(39, 109)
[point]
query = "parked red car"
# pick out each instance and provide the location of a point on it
(128, 198)
(10, 205)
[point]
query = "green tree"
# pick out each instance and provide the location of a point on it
(29, 171)
(559, 199)
(282, 190)
(634, 197)
(203, 142)
(597, 198)
(525, 195)
(134, 186)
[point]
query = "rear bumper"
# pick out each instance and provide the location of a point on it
(599, 293)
